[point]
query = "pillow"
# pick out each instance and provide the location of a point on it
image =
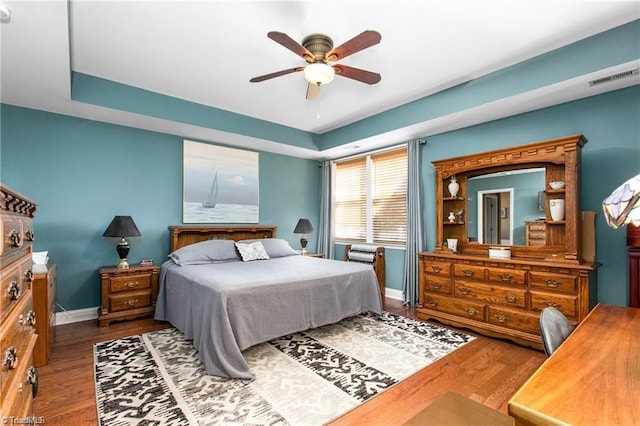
(205, 252)
(252, 251)
(275, 247)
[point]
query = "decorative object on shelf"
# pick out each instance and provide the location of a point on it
(454, 186)
(499, 253)
(122, 227)
(452, 243)
(557, 184)
(556, 208)
(303, 227)
(623, 205)
(452, 217)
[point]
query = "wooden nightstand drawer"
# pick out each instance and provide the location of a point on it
(130, 283)
(130, 300)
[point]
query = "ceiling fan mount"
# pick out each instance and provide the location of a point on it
(321, 57)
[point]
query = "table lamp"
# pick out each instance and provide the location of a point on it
(122, 227)
(622, 207)
(303, 227)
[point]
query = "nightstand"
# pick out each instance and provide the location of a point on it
(127, 293)
(315, 255)
(43, 288)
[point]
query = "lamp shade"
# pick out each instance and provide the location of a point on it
(319, 73)
(623, 205)
(303, 227)
(121, 227)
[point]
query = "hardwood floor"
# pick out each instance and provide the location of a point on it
(486, 370)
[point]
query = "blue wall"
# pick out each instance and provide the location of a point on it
(82, 173)
(611, 123)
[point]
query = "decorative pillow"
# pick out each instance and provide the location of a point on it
(275, 247)
(209, 251)
(252, 251)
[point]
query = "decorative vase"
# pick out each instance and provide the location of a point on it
(452, 217)
(454, 187)
(556, 208)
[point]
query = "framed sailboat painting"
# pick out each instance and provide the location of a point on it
(220, 184)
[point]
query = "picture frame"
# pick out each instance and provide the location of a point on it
(220, 184)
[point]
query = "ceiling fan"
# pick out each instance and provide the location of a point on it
(321, 56)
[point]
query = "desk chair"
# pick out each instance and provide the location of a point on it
(554, 328)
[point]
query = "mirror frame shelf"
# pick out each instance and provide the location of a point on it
(561, 159)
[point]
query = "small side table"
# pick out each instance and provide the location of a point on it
(127, 293)
(44, 305)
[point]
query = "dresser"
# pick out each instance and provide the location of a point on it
(18, 375)
(44, 304)
(502, 298)
(127, 293)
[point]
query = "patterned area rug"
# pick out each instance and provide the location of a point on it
(307, 378)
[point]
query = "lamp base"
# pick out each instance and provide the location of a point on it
(303, 244)
(123, 250)
(123, 264)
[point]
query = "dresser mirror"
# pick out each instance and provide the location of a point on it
(499, 205)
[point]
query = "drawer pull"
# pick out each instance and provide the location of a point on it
(433, 303)
(505, 277)
(552, 283)
(14, 290)
(437, 269)
(468, 273)
(33, 378)
(131, 284)
(31, 318)
(15, 238)
(131, 302)
(436, 286)
(10, 358)
(511, 298)
(502, 318)
(551, 304)
(472, 311)
(465, 290)
(29, 275)
(29, 235)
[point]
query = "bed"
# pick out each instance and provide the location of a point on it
(227, 302)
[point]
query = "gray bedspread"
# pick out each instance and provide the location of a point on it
(228, 307)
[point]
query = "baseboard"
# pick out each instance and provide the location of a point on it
(392, 293)
(87, 314)
(77, 315)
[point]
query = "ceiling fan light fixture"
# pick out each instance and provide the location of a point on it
(319, 73)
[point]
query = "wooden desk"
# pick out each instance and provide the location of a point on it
(592, 379)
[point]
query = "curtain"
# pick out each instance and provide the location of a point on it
(414, 224)
(326, 244)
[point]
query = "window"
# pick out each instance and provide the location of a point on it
(371, 198)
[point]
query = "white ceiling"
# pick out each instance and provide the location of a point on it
(206, 52)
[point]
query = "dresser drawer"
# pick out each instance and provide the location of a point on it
(16, 333)
(508, 276)
(130, 300)
(556, 282)
(567, 304)
(436, 284)
(14, 282)
(491, 293)
(437, 268)
(17, 394)
(517, 320)
(129, 282)
(16, 232)
(468, 271)
(463, 308)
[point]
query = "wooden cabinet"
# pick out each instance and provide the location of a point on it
(535, 233)
(127, 293)
(44, 304)
(504, 297)
(18, 375)
(634, 277)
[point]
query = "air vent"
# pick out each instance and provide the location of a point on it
(613, 77)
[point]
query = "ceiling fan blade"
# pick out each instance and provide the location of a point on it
(291, 44)
(357, 74)
(275, 74)
(362, 41)
(312, 91)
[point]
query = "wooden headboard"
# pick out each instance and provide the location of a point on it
(181, 236)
